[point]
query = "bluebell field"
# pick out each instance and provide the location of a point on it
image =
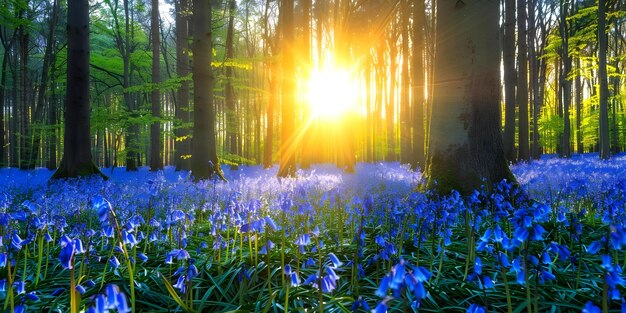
(324, 241)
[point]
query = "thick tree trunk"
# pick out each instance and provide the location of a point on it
(466, 141)
(510, 77)
(204, 161)
(77, 158)
(288, 94)
(156, 160)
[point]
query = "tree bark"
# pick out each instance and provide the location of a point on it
(522, 82)
(419, 17)
(605, 151)
(156, 160)
(204, 161)
(510, 78)
(566, 84)
(288, 95)
(232, 118)
(405, 116)
(183, 142)
(77, 159)
(466, 141)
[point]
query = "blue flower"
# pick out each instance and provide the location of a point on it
(594, 247)
(475, 308)
(590, 308)
(114, 261)
(335, 260)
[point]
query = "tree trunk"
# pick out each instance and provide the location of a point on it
(419, 156)
(566, 84)
(204, 161)
(510, 77)
(390, 110)
(405, 116)
(522, 82)
(466, 141)
(77, 158)
(605, 151)
(578, 99)
(32, 154)
(183, 142)
(288, 95)
(3, 79)
(232, 119)
(268, 160)
(156, 160)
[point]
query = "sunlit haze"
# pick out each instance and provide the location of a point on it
(332, 92)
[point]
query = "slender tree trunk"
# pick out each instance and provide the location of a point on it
(307, 118)
(566, 86)
(156, 159)
(405, 117)
(232, 119)
(3, 80)
(77, 158)
(268, 160)
(390, 109)
(32, 154)
(510, 77)
(578, 99)
(466, 141)
(288, 94)
(183, 142)
(605, 151)
(522, 82)
(419, 156)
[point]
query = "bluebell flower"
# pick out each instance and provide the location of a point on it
(381, 307)
(594, 247)
(19, 309)
(360, 302)
(142, 257)
(538, 232)
(66, 256)
(32, 296)
(3, 284)
(335, 260)
(3, 260)
(115, 263)
(20, 286)
(303, 240)
(475, 308)
(383, 288)
(591, 308)
(488, 282)
(478, 265)
(102, 207)
(504, 260)
(80, 289)
(311, 279)
(180, 284)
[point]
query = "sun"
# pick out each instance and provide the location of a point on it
(331, 93)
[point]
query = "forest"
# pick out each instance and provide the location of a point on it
(312, 156)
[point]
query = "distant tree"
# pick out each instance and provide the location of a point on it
(466, 141)
(77, 159)
(288, 97)
(204, 161)
(605, 150)
(156, 162)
